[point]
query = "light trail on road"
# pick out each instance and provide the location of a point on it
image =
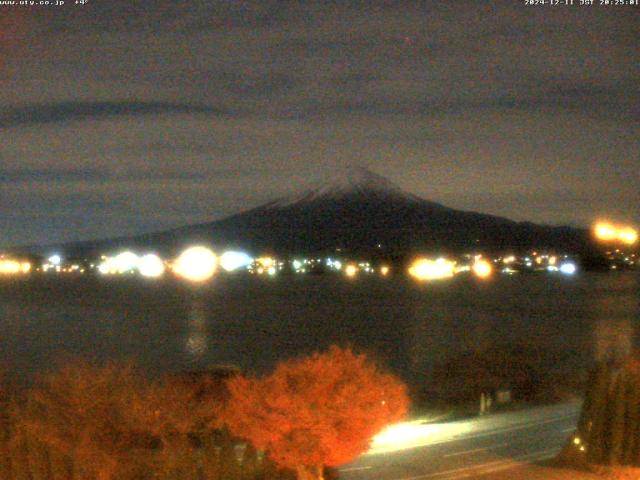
(466, 449)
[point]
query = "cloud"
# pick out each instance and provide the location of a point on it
(36, 114)
(96, 175)
(50, 174)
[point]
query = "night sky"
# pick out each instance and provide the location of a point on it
(123, 117)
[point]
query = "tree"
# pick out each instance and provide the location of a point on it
(315, 411)
(111, 422)
(77, 412)
(609, 427)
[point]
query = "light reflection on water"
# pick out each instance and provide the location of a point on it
(253, 323)
(197, 341)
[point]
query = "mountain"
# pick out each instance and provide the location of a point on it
(358, 211)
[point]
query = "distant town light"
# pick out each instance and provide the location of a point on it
(104, 268)
(266, 262)
(125, 262)
(384, 270)
(151, 266)
(607, 232)
(232, 260)
(628, 235)
(13, 267)
(568, 268)
(427, 269)
(351, 270)
(196, 264)
(482, 268)
(54, 259)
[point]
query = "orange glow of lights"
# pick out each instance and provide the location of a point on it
(384, 271)
(196, 264)
(427, 269)
(482, 269)
(13, 267)
(266, 262)
(628, 235)
(607, 232)
(351, 270)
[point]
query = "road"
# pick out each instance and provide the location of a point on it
(473, 448)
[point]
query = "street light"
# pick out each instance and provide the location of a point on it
(196, 264)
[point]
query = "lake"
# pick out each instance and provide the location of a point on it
(254, 322)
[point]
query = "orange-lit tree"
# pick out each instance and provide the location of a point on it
(77, 412)
(315, 411)
(111, 422)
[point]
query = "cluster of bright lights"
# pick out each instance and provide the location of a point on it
(428, 269)
(265, 265)
(199, 263)
(54, 262)
(306, 265)
(124, 262)
(608, 232)
(73, 268)
(365, 267)
(266, 262)
(348, 268)
(196, 264)
(149, 265)
(14, 267)
(334, 264)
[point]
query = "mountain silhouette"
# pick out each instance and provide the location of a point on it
(356, 211)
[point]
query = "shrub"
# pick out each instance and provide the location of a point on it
(315, 411)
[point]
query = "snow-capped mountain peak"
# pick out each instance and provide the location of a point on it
(353, 181)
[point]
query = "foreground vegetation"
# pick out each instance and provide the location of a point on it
(110, 422)
(607, 440)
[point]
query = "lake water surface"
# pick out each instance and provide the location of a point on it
(254, 322)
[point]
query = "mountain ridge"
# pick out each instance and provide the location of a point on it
(358, 211)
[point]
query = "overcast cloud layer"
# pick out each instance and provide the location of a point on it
(117, 118)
